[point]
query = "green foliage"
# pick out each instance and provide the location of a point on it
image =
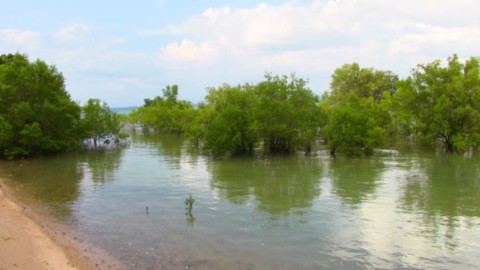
(359, 109)
(286, 113)
(195, 130)
(99, 122)
(36, 113)
(166, 114)
(356, 125)
(442, 103)
(170, 93)
(365, 82)
(279, 112)
(189, 204)
(226, 122)
(6, 132)
(363, 110)
(188, 210)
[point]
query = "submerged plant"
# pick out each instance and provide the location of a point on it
(189, 204)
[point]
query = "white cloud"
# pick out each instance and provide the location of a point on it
(235, 45)
(13, 40)
(75, 33)
(294, 24)
(187, 52)
(75, 48)
(317, 37)
(443, 13)
(264, 25)
(95, 66)
(435, 38)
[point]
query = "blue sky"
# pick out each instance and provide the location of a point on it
(124, 51)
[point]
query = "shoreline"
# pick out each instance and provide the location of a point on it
(31, 239)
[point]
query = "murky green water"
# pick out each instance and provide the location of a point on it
(411, 210)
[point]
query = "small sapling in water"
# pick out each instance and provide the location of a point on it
(189, 204)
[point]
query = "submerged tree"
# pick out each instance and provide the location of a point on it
(358, 109)
(356, 125)
(37, 115)
(227, 120)
(165, 113)
(281, 113)
(286, 113)
(100, 123)
(443, 103)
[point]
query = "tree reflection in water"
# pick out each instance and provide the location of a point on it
(355, 180)
(102, 164)
(54, 181)
(444, 192)
(278, 185)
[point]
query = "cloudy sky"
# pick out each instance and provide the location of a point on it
(123, 51)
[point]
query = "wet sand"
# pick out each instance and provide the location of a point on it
(29, 240)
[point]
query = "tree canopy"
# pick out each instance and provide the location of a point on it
(357, 108)
(356, 125)
(279, 113)
(443, 103)
(99, 122)
(226, 123)
(37, 115)
(286, 113)
(365, 82)
(363, 109)
(165, 113)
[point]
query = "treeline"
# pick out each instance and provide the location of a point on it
(37, 115)
(365, 108)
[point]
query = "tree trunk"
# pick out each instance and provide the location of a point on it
(448, 144)
(449, 148)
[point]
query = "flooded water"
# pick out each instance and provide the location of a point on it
(407, 210)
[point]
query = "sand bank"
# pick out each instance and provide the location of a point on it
(28, 241)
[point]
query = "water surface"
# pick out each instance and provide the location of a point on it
(407, 210)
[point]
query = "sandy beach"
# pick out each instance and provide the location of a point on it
(28, 242)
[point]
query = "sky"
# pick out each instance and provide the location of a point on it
(125, 51)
